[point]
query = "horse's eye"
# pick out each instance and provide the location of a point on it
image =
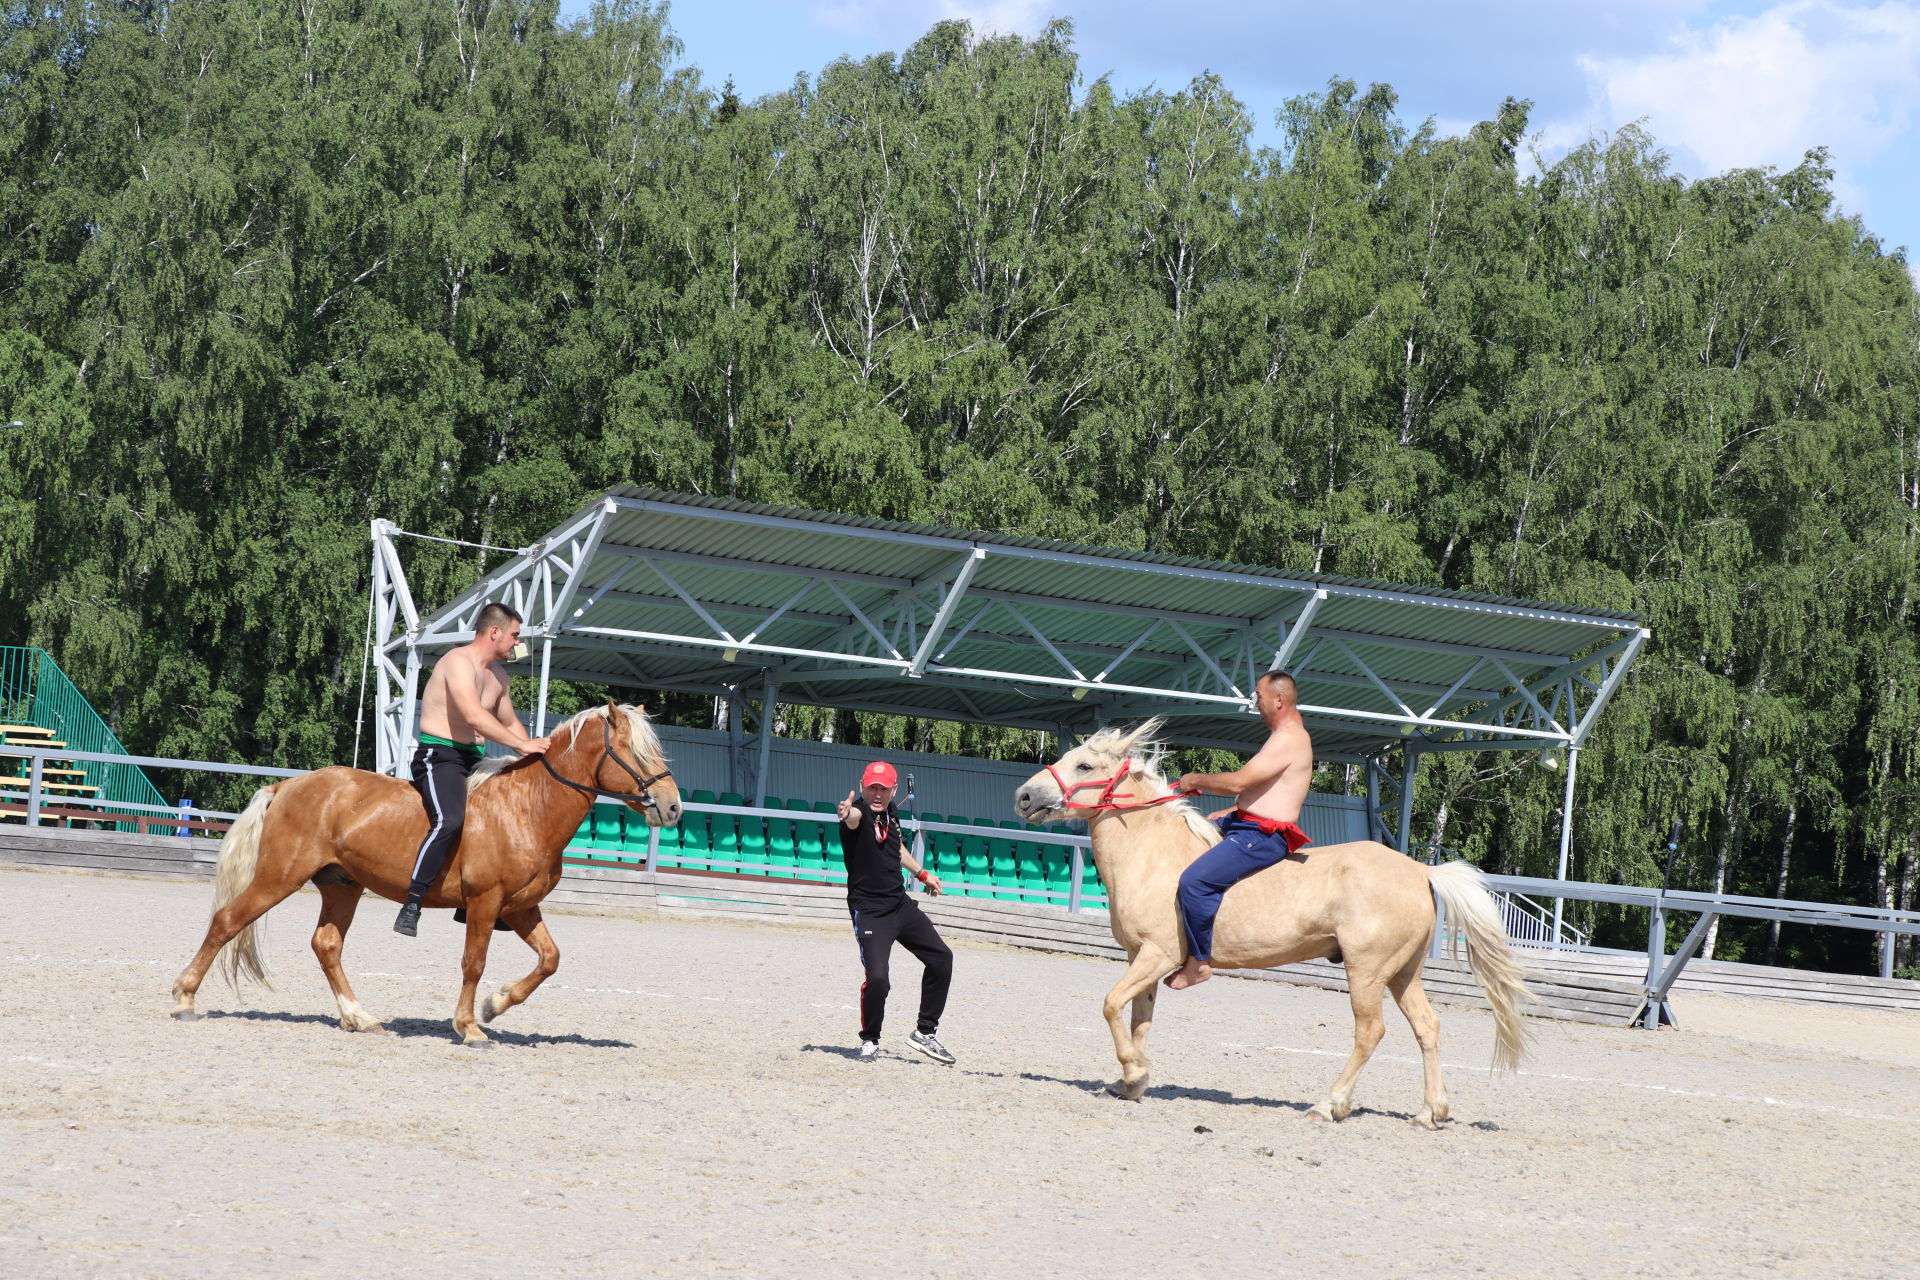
(1084, 767)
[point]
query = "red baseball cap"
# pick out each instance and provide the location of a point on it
(881, 772)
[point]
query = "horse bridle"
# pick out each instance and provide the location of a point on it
(608, 753)
(1106, 801)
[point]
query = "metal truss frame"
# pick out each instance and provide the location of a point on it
(887, 629)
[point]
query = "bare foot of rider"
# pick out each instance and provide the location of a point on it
(1191, 974)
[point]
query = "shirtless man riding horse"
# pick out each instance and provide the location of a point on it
(467, 699)
(1260, 830)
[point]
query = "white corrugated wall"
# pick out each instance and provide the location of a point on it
(956, 787)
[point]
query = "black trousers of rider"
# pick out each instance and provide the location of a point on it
(440, 776)
(876, 933)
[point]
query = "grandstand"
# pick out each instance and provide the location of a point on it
(758, 605)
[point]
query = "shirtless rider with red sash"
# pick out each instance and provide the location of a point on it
(1260, 831)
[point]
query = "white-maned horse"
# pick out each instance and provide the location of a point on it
(1362, 903)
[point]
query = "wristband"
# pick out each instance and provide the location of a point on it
(921, 875)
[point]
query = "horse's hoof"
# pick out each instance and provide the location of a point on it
(1125, 1092)
(477, 1042)
(184, 1015)
(1318, 1115)
(1424, 1122)
(487, 1012)
(365, 1028)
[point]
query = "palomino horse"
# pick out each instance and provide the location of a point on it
(1362, 902)
(347, 831)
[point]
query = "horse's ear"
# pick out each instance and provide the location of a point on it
(613, 708)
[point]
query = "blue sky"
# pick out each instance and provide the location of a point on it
(1721, 83)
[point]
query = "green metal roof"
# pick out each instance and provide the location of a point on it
(652, 589)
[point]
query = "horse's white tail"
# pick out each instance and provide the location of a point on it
(1462, 890)
(239, 856)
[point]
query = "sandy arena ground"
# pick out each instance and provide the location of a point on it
(681, 1101)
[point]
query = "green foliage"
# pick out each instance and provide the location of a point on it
(270, 270)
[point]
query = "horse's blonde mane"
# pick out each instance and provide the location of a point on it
(644, 737)
(1141, 744)
(488, 768)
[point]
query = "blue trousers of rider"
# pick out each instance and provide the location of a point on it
(1247, 845)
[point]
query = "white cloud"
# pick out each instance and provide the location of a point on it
(1000, 17)
(897, 21)
(1763, 89)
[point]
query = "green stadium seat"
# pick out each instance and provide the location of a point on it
(603, 823)
(670, 836)
(1029, 865)
(829, 839)
(594, 834)
(939, 859)
(1092, 892)
(633, 835)
(976, 866)
(696, 834)
(953, 846)
(1003, 866)
(754, 845)
(783, 853)
(726, 831)
(810, 841)
(1058, 870)
(606, 820)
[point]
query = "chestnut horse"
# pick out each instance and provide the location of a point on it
(1363, 903)
(348, 830)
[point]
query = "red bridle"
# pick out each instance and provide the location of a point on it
(1105, 803)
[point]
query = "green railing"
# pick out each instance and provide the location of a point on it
(35, 691)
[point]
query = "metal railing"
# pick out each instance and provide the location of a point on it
(1076, 898)
(1532, 925)
(1662, 969)
(1528, 923)
(1081, 894)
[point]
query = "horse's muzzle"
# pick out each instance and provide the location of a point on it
(1027, 805)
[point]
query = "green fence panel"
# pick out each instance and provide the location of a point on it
(35, 691)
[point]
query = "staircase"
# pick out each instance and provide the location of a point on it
(40, 708)
(1528, 923)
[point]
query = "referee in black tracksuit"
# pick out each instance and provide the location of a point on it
(883, 914)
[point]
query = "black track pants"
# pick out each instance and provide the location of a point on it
(876, 934)
(440, 776)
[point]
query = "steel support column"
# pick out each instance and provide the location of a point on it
(540, 698)
(769, 692)
(736, 739)
(409, 708)
(1566, 838)
(1410, 765)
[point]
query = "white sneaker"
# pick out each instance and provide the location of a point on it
(869, 1050)
(930, 1045)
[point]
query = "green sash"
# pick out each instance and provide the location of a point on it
(435, 740)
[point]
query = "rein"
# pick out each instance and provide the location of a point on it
(608, 753)
(1106, 803)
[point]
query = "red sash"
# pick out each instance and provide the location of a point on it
(1294, 836)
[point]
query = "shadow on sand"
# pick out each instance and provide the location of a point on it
(420, 1029)
(1220, 1097)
